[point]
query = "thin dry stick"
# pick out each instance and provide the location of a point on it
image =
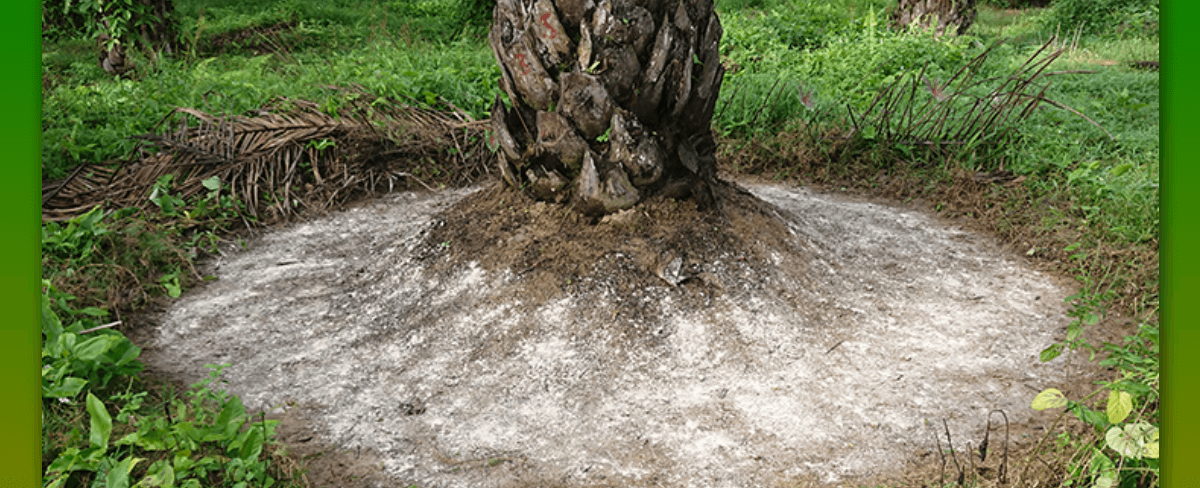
(912, 95)
(938, 443)
(950, 445)
(736, 89)
(1076, 112)
(105, 326)
(766, 101)
(971, 460)
(983, 446)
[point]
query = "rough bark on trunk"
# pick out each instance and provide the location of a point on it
(957, 13)
(611, 99)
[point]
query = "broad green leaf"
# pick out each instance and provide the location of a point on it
(173, 289)
(251, 445)
(232, 417)
(167, 204)
(1120, 169)
(94, 312)
(51, 325)
(1105, 471)
(132, 438)
(189, 429)
(1074, 330)
(212, 183)
(1136, 440)
(211, 433)
(66, 462)
(1118, 440)
(1088, 416)
(124, 352)
(91, 349)
(66, 342)
(67, 388)
(1091, 319)
(91, 218)
(1150, 450)
(92, 456)
(180, 410)
(183, 462)
(159, 475)
(1119, 405)
(1050, 398)
(118, 476)
(1049, 353)
(101, 422)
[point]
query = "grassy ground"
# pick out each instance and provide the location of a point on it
(1078, 195)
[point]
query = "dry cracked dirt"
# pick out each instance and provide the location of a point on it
(471, 338)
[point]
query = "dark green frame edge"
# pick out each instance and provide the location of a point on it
(20, 244)
(1179, 239)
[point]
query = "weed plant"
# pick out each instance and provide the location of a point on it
(101, 425)
(119, 260)
(1108, 18)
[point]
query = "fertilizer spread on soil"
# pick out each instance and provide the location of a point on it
(474, 338)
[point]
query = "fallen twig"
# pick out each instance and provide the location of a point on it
(105, 326)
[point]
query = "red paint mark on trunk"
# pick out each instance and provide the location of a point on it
(545, 22)
(524, 65)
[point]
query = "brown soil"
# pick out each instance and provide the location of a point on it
(555, 250)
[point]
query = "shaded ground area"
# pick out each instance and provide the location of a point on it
(457, 339)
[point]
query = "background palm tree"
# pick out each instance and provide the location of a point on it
(957, 15)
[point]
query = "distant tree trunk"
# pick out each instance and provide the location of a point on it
(957, 13)
(611, 101)
(155, 29)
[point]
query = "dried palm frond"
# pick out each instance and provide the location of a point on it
(286, 155)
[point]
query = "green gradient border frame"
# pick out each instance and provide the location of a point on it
(20, 453)
(20, 244)
(1179, 238)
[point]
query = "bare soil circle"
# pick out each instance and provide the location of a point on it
(473, 338)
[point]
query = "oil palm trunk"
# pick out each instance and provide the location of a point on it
(610, 101)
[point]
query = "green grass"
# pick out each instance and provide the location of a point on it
(1089, 202)
(858, 55)
(1022, 26)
